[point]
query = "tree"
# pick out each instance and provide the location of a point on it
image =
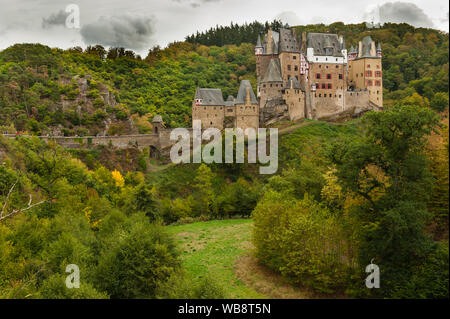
(388, 168)
(138, 263)
(204, 195)
(439, 101)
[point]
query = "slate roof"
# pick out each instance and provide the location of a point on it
(294, 84)
(157, 119)
(229, 101)
(320, 41)
(258, 42)
(366, 45)
(273, 73)
(210, 97)
(288, 42)
(240, 99)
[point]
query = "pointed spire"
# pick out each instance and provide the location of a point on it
(258, 42)
(343, 44)
(378, 46)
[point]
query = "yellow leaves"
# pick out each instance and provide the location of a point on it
(88, 214)
(118, 179)
(332, 191)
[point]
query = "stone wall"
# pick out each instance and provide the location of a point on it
(141, 141)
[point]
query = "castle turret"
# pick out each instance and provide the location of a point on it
(157, 124)
(259, 48)
(379, 51)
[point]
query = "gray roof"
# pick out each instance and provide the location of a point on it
(241, 97)
(258, 42)
(288, 42)
(157, 119)
(229, 101)
(273, 72)
(320, 41)
(209, 96)
(294, 84)
(379, 47)
(366, 46)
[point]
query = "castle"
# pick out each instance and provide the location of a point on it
(308, 75)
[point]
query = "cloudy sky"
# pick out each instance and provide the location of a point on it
(141, 24)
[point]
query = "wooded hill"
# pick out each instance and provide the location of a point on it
(115, 91)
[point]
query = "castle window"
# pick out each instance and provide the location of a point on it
(295, 68)
(320, 95)
(340, 95)
(337, 66)
(328, 76)
(329, 85)
(210, 123)
(324, 86)
(331, 95)
(336, 61)
(294, 57)
(320, 66)
(340, 76)
(289, 67)
(317, 75)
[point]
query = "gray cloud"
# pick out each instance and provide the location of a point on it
(399, 12)
(196, 3)
(55, 19)
(289, 17)
(132, 32)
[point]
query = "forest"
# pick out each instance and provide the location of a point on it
(370, 190)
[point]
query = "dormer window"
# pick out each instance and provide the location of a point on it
(198, 101)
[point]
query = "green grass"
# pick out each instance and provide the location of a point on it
(212, 248)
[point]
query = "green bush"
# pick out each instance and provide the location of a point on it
(303, 241)
(55, 288)
(141, 259)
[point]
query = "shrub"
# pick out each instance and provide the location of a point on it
(55, 288)
(302, 240)
(142, 259)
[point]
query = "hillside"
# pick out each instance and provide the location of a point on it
(95, 91)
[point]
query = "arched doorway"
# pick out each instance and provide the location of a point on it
(154, 152)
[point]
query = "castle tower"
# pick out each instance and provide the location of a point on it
(259, 48)
(272, 83)
(365, 70)
(209, 107)
(157, 124)
(246, 107)
(379, 52)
